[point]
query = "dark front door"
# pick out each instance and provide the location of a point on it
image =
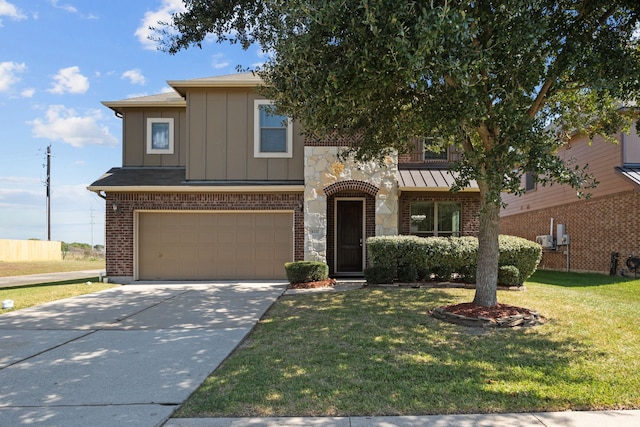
(349, 236)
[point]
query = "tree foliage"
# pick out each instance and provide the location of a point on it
(508, 82)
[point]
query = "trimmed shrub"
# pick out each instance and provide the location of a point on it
(443, 256)
(306, 271)
(383, 251)
(407, 273)
(521, 253)
(379, 275)
(468, 273)
(508, 275)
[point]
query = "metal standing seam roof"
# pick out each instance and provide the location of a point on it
(632, 173)
(429, 179)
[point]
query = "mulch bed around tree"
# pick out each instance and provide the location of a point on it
(500, 315)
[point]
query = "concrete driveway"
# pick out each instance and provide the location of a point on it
(125, 356)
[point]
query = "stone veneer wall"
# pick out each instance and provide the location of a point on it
(322, 168)
(597, 227)
(120, 225)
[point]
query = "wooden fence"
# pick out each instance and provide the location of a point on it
(30, 250)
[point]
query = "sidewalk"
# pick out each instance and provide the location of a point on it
(35, 279)
(540, 419)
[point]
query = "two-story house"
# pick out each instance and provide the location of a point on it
(596, 227)
(213, 185)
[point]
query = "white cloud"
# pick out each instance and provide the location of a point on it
(151, 19)
(135, 76)
(66, 7)
(28, 93)
(219, 61)
(8, 9)
(69, 80)
(9, 73)
(19, 179)
(64, 124)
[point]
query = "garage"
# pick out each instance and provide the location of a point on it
(213, 246)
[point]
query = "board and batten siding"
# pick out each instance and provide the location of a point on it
(221, 132)
(134, 130)
(602, 158)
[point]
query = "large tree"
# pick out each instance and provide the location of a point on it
(508, 81)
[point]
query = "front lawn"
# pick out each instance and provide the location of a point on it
(20, 268)
(378, 352)
(30, 295)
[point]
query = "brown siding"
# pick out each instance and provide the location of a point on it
(602, 158)
(221, 129)
(134, 149)
(596, 227)
(470, 206)
(120, 225)
(196, 156)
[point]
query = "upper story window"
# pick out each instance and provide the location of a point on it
(273, 134)
(160, 136)
(429, 155)
(435, 218)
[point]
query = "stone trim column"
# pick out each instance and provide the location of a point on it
(322, 170)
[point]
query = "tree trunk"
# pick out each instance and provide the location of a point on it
(488, 251)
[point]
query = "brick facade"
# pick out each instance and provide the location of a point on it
(120, 223)
(597, 227)
(469, 206)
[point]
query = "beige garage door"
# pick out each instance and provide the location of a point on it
(214, 246)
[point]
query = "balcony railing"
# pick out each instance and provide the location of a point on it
(426, 158)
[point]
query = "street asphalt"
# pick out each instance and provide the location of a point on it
(132, 355)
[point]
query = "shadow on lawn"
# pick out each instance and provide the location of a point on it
(381, 353)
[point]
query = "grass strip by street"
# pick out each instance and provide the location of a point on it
(21, 268)
(30, 295)
(379, 352)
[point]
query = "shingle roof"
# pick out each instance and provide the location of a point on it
(141, 177)
(165, 99)
(174, 179)
(429, 179)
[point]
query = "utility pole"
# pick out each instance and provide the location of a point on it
(92, 217)
(48, 184)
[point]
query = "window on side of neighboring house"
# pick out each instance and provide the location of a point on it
(160, 136)
(529, 182)
(435, 218)
(273, 135)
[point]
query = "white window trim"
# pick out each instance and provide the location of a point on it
(435, 232)
(256, 133)
(150, 149)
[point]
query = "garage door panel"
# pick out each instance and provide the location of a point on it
(208, 246)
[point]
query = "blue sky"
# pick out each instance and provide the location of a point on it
(59, 59)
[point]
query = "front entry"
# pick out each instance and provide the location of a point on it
(349, 236)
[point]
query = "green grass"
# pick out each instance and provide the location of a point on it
(30, 295)
(19, 268)
(378, 352)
